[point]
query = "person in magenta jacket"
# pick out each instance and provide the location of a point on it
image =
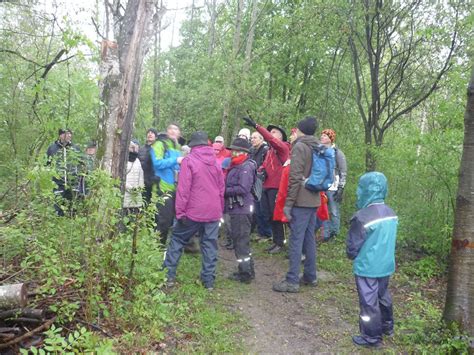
(199, 206)
(272, 168)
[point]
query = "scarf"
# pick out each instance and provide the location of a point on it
(238, 160)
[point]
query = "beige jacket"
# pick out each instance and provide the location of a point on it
(133, 183)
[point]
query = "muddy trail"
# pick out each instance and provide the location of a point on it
(318, 319)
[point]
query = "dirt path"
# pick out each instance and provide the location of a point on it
(286, 323)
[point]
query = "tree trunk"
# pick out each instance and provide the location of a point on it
(157, 72)
(13, 296)
(230, 90)
(250, 37)
(212, 27)
(459, 305)
(121, 69)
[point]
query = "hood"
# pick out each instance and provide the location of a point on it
(309, 140)
(372, 188)
(204, 153)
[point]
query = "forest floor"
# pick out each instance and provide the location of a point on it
(318, 319)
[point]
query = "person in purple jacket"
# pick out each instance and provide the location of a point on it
(199, 206)
(239, 204)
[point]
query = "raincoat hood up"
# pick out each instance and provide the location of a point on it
(372, 188)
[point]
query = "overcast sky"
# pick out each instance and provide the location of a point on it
(80, 13)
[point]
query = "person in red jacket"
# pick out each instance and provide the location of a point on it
(272, 167)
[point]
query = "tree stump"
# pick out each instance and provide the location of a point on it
(13, 296)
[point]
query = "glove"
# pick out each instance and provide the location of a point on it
(287, 213)
(250, 122)
(338, 194)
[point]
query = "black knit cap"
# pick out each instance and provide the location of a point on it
(308, 125)
(198, 138)
(152, 130)
(240, 144)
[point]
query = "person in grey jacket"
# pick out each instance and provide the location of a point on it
(300, 210)
(332, 226)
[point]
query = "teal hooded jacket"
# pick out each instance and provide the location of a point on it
(373, 231)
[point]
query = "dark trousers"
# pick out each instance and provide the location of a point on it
(165, 213)
(303, 222)
(147, 193)
(63, 199)
(264, 229)
(241, 224)
(183, 231)
(268, 205)
(376, 310)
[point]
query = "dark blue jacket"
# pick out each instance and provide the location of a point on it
(373, 230)
(238, 188)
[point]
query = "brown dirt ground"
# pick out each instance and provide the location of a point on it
(289, 323)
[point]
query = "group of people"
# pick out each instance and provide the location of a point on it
(259, 179)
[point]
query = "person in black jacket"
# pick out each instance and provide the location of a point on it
(65, 157)
(257, 153)
(239, 204)
(147, 165)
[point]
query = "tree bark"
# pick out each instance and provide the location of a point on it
(157, 72)
(13, 296)
(212, 26)
(459, 305)
(121, 69)
(26, 313)
(229, 86)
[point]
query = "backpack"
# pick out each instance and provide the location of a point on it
(257, 186)
(322, 169)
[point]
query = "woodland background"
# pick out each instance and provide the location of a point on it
(389, 77)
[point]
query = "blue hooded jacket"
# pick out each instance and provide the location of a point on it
(373, 230)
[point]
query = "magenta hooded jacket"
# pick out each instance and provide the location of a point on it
(200, 192)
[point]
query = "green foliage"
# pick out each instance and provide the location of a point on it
(78, 341)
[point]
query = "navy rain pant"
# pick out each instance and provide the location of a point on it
(376, 310)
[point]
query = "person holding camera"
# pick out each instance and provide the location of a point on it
(240, 204)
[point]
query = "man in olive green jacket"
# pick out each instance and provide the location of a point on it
(300, 210)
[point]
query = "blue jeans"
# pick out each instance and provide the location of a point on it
(264, 228)
(332, 225)
(182, 233)
(302, 227)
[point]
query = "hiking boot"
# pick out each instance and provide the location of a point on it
(262, 239)
(285, 286)
(358, 340)
(170, 283)
(275, 250)
(229, 245)
(237, 276)
(304, 282)
(271, 247)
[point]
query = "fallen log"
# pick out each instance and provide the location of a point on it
(10, 330)
(25, 312)
(6, 336)
(23, 320)
(13, 296)
(27, 335)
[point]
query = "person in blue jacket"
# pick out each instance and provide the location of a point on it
(371, 245)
